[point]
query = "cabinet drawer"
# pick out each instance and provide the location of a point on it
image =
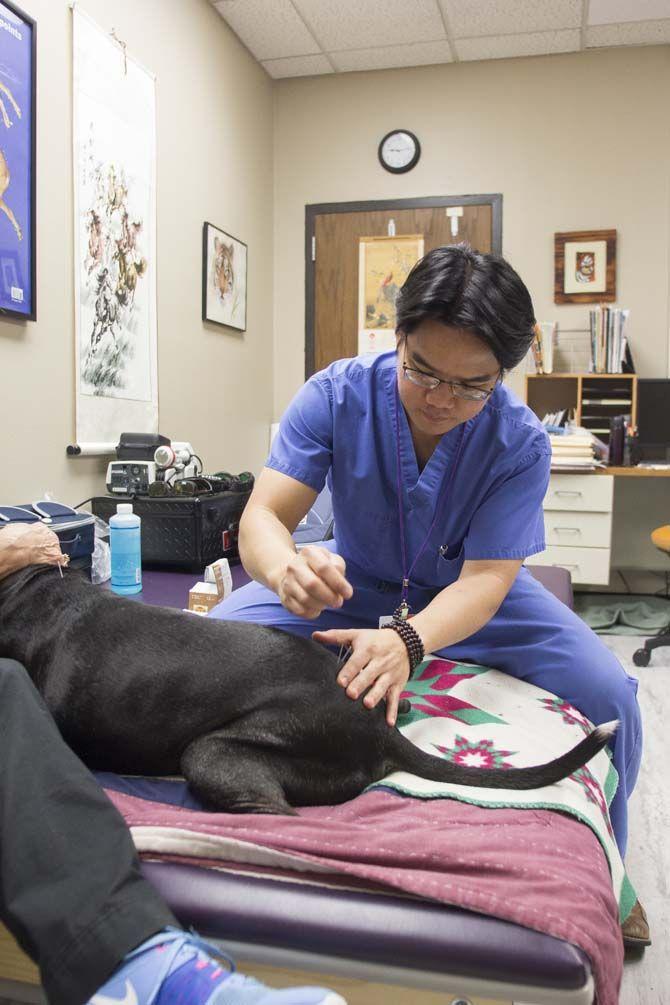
(580, 492)
(575, 529)
(585, 565)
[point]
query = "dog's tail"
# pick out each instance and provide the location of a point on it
(403, 755)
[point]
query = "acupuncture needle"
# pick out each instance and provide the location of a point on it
(343, 656)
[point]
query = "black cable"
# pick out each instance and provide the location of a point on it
(623, 580)
(79, 505)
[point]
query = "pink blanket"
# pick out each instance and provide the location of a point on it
(535, 867)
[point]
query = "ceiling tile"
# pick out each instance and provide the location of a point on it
(361, 24)
(416, 54)
(297, 66)
(269, 28)
(614, 11)
(506, 46)
(499, 17)
(640, 33)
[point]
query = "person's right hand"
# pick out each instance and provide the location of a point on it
(312, 580)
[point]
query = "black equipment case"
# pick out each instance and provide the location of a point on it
(185, 532)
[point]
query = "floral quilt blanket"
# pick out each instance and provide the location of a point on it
(476, 716)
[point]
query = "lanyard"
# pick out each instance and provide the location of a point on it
(403, 609)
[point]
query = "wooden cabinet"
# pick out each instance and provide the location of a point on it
(594, 397)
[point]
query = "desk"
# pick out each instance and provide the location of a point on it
(635, 472)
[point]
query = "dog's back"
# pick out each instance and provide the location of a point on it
(130, 685)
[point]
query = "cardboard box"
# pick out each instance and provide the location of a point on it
(217, 586)
(203, 597)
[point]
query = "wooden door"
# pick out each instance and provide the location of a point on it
(333, 256)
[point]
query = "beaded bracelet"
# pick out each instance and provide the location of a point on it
(412, 640)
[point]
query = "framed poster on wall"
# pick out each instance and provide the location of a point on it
(114, 159)
(383, 266)
(17, 163)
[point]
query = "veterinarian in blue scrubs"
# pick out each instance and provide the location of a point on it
(438, 473)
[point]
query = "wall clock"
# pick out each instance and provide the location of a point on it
(399, 151)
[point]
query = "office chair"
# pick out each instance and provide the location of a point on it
(661, 538)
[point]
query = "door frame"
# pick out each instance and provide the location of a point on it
(423, 202)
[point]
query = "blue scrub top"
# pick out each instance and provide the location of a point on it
(341, 426)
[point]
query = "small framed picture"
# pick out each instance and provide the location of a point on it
(224, 278)
(585, 267)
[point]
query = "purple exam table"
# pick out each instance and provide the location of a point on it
(375, 938)
(370, 937)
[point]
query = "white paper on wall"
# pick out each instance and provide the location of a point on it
(114, 137)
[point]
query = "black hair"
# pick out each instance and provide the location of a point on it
(462, 288)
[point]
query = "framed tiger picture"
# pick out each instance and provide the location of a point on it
(224, 278)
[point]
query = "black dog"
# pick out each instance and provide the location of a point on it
(251, 716)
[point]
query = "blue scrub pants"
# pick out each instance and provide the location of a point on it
(533, 637)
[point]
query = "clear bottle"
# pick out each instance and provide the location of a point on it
(126, 550)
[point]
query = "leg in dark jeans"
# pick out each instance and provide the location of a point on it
(71, 891)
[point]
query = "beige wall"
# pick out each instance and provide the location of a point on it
(573, 142)
(214, 147)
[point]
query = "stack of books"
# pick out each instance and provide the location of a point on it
(608, 339)
(572, 452)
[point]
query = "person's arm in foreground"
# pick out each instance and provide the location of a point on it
(305, 581)
(23, 544)
(379, 658)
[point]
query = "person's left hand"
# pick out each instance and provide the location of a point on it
(23, 544)
(378, 661)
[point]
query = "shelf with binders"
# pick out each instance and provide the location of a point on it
(594, 398)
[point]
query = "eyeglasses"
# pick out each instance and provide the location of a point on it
(181, 487)
(429, 383)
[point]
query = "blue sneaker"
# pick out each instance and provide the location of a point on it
(178, 968)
